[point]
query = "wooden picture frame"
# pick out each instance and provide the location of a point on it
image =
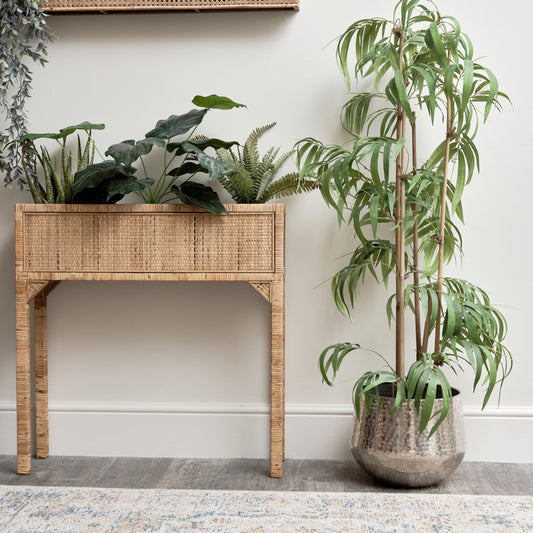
(105, 6)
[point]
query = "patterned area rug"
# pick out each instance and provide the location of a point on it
(62, 509)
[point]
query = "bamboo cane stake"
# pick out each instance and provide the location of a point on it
(416, 277)
(400, 237)
(449, 135)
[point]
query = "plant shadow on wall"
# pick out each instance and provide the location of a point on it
(422, 64)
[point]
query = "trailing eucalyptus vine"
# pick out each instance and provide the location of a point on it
(23, 37)
(405, 209)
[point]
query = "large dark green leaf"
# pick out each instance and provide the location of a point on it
(123, 186)
(217, 144)
(127, 152)
(186, 168)
(64, 132)
(97, 196)
(85, 126)
(199, 195)
(215, 167)
(177, 124)
(94, 176)
(214, 101)
(35, 136)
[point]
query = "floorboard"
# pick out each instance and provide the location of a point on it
(252, 474)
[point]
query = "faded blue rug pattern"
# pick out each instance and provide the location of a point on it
(77, 510)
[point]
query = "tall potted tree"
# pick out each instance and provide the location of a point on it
(405, 211)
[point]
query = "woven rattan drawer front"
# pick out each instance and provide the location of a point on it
(151, 242)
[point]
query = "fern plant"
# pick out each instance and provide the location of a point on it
(253, 179)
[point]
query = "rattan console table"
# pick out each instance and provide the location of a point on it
(56, 243)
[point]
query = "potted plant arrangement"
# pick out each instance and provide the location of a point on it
(74, 231)
(78, 179)
(405, 211)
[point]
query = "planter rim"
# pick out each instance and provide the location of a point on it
(144, 208)
(456, 395)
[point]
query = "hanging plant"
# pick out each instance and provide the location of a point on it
(23, 38)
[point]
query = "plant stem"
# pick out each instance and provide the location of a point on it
(449, 135)
(399, 212)
(95, 148)
(425, 337)
(156, 189)
(144, 167)
(416, 277)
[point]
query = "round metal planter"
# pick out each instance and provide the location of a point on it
(393, 451)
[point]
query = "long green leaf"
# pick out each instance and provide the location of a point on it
(214, 101)
(434, 43)
(402, 94)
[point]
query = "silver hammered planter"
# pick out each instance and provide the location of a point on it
(393, 451)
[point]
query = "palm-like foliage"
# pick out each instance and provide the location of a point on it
(422, 63)
(253, 178)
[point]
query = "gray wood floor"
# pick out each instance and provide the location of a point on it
(252, 474)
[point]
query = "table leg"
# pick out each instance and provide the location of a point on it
(277, 409)
(41, 376)
(23, 379)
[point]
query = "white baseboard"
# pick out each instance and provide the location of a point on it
(242, 430)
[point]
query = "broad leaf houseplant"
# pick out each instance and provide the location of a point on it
(73, 176)
(405, 207)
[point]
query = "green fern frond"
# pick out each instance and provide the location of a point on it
(227, 156)
(250, 152)
(289, 185)
(271, 175)
(281, 160)
(228, 185)
(252, 178)
(238, 183)
(263, 173)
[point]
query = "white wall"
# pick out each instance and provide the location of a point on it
(182, 369)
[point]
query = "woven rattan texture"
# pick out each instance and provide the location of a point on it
(116, 242)
(110, 5)
(140, 242)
